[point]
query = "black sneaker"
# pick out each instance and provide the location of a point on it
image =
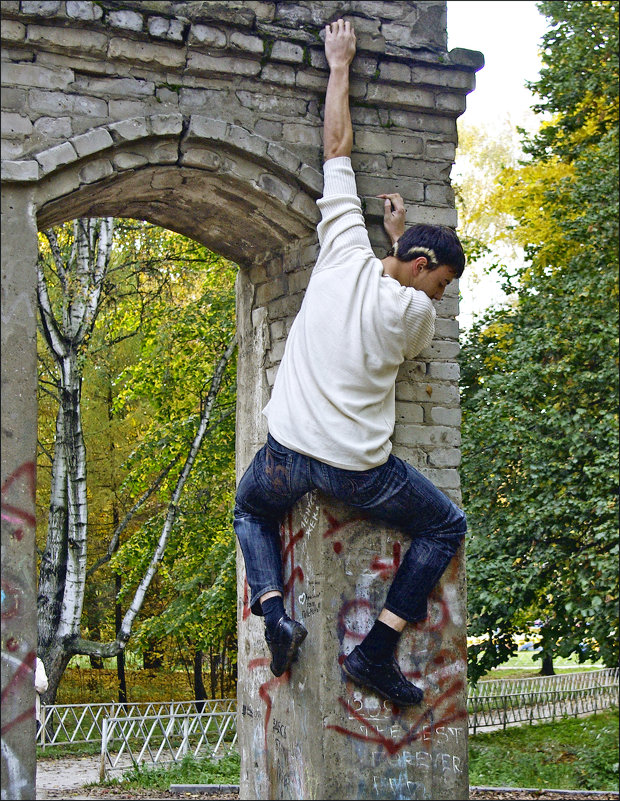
(284, 643)
(384, 678)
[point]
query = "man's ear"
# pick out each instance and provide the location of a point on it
(418, 264)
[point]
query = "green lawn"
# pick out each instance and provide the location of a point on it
(523, 664)
(570, 754)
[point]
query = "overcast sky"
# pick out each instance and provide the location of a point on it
(509, 35)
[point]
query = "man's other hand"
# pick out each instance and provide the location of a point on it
(393, 216)
(339, 43)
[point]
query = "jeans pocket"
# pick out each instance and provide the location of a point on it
(361, 488)
(274, 474)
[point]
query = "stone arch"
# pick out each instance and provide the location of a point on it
(195, 175)
(188, 114)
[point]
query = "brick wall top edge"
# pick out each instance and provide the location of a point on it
(306, 32)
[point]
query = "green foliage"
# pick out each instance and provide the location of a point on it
(166, 315)
(182, 339)
(579, 84)
(540, 387)
(566, 754)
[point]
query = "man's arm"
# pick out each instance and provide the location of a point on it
(339, 51)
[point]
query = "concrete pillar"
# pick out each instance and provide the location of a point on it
(311, 734)
(19, 438)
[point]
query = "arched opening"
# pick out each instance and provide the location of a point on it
(239, 218)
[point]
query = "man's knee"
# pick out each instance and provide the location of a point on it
(461, 523)
(455, 530)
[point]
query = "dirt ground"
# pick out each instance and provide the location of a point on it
(69, 778)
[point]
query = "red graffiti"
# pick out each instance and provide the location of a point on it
(246, 600)
(11, 600)
(384, 568)
(17, 515)
(335, 525)
(392, 746)
(23, 673)
(435, 666)
(263, 690)
(289, 539)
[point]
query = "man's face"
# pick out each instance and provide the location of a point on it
(433, 282)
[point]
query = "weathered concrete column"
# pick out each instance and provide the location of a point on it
(311, 734)
(19, 438)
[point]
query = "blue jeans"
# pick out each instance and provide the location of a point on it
(393, 493)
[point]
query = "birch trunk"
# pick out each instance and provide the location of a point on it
(63, 565)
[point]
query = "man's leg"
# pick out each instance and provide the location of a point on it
(266, 491)
(399, 495)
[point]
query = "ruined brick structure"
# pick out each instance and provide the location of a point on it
(205, 117)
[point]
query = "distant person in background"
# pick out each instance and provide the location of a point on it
(40, 685)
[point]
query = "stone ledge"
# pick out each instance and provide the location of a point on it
(207, 789)
(20, 171)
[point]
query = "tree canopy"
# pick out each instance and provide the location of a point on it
(141, 327)
(540, 376)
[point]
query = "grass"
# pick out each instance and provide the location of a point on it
(224, 770)
(523, 665)
(570, 754)
(69, 749)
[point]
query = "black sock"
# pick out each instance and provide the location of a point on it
(273, 609)
(380, 642)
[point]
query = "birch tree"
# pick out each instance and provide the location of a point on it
(72, 290)
(66, 331)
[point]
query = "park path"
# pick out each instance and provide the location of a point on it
(66, 775)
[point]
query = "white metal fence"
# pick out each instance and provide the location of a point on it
(149, 733)
(64, 724)
(501, 703)
(165, 737)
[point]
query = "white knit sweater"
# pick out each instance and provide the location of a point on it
(333, 397)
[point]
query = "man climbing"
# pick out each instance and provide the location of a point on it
(332, 409)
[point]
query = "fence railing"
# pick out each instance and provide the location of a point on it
(138, 733)
(165, 737)
(501, 703)
(560, 682)
(62, 724)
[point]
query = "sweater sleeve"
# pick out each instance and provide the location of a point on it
(342, 222)
(419, 320)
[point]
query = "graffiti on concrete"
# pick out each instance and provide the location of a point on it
(18, 656)
(421, 741)
(12, 512)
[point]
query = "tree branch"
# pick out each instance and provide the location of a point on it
(77, 645)
(126, 520)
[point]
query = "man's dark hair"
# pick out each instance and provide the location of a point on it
(438, 243)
